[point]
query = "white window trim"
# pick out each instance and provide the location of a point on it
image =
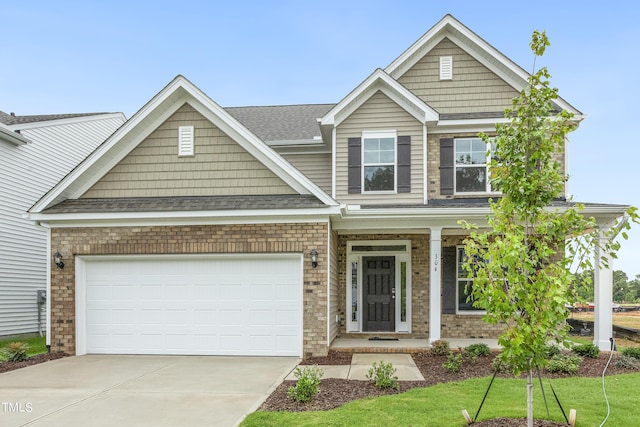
(400, 256)
(488, 190)
(464, 312)
(380, 134)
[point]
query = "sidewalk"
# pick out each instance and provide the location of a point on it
(406, 369)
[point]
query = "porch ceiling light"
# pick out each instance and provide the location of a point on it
(314, 258)
(57, 259)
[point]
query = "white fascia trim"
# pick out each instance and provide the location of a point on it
(471, 43)
(256, 147)
(379, 80)
(60, 122)
(170, 95)
(185, 218)
(11, 136)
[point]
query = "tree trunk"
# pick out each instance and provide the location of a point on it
(530, 398)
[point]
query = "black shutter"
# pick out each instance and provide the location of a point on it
(449, 284)
(404, 164)
(355, 163)
(446, 166)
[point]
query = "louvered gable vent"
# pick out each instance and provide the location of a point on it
(446, 67)
(185, 141)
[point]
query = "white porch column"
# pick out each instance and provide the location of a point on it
(435, 303)
(603, 300)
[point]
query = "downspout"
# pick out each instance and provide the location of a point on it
(47, 227)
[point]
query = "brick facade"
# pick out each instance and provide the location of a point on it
(191, 239)
(452, 326)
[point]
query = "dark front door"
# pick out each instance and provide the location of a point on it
(379, 293)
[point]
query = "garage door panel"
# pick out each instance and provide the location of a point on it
(216, 305)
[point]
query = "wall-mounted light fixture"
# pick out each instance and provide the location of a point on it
(57, 259)
(314, 258)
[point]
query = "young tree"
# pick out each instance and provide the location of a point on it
(521, 265)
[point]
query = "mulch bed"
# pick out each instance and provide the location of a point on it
(33, 360)
(336, 392)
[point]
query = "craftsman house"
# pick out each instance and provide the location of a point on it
(197, 229)
(36, 151)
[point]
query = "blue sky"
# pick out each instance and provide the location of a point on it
(71, 57)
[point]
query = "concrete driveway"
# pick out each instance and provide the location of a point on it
(139, 390)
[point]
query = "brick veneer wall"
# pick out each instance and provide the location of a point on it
(465, 325)
(419, 279)
(452, 326)
(201, 239)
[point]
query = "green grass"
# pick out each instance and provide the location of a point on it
(37, 344)
(441, 405)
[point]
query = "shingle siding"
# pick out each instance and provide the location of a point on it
(379, 113)
(473, 88)
(219, 167)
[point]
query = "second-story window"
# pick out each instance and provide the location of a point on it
(379, 161)
(471, 168)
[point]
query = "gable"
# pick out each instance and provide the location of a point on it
(473, 89)
(380, 113)
(219, 166)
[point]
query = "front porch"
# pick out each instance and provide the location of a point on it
(402, 345)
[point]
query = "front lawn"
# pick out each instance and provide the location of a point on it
(440, 405)
(37, 344)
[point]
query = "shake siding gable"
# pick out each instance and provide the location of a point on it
(316, 167)
(219, 166)
(473, 88)
(379, 113)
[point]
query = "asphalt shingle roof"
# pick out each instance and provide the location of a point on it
(185, 203)
(9, 119)
(282, 122)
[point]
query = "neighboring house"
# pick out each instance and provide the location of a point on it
(194, 229)
(36, 152)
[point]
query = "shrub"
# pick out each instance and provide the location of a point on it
(477, 350)
(552, 350)
(631, 352)
(586, 350)
(564, 364)
(15, 351)
(453, 362)
(307, 385)
(500, 365)
(382, 375)
(626, 362)
(440, 348)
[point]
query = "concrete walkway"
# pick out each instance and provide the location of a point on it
(406, 369)
(139, 390)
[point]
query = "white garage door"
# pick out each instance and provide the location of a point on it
(225, 305)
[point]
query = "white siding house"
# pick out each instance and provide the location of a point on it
(35, 153)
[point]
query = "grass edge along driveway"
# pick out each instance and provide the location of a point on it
(440, 405)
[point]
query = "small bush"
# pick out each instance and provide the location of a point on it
(15, 351)
(440, 348)
(586, 350)
(477, 350)
(552, 350)
(631, 352)
(626, 362)
(500, 365)
(307, 385)
(382, 375)
(453, 362)
(564, 364)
